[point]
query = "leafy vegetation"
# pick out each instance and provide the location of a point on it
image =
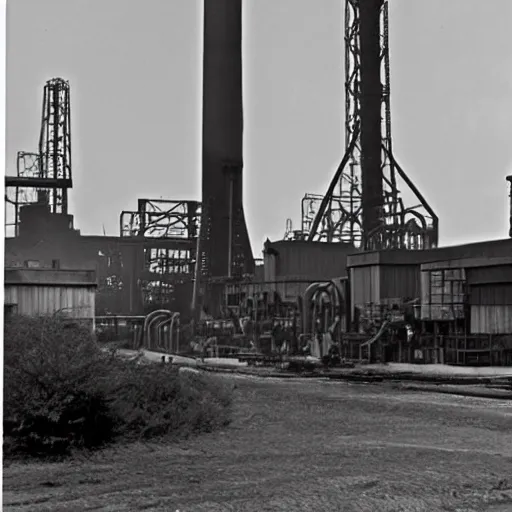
(62, 392)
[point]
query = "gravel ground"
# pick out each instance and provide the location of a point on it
(299, 445)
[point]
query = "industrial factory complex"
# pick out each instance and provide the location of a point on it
(363, 279)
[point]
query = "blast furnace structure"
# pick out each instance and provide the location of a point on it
(363, 204)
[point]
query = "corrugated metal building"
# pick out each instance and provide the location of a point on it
(487, 291)
(286, 261)
(382, 275)
(40, 291)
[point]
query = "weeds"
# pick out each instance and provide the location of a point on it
(61, 392)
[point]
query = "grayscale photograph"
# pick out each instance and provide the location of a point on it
(258, 256)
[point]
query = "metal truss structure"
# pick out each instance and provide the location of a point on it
(162, 218)
(363, 205)
(166, 233)
(45, 176)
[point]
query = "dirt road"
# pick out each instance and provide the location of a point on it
(300, 445)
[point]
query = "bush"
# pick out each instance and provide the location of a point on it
(62, 392)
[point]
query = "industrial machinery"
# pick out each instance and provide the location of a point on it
(363, 204)
(261, 325)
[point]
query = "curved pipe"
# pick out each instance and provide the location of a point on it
(325, 287)
(158, 329)
(150, 316)
(164, 324)
(306, 305)
(150, 324)
(176, 317)
(311, 295)
(318, 300)
(171, 320)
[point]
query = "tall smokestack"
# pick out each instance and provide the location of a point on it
(371, 113)
(222, 85)
(224, 249)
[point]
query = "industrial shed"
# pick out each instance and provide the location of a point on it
(294, 264)
(477, 289)
(379, 276)
(42, 291)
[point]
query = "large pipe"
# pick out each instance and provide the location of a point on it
(148, 319)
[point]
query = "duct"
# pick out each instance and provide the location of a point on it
(150, 324)
(315, 292)
(149, 318)
(306, 304)
(173, 320)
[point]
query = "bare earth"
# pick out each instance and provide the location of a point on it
(299, 445)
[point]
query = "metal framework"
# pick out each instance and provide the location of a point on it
(166, 231)
(45, 176)
(162, 218)
(363, 205)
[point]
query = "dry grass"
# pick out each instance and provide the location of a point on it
(299, 445)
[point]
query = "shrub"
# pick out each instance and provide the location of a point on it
(62, 392)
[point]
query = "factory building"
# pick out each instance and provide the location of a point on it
(477, 292)
(378, 276)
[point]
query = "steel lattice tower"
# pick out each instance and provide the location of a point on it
(363, 205)
(55, 140)
(45, 177)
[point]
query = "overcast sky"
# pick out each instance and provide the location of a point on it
(135, 74)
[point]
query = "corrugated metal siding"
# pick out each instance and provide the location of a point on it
(269, 267)
(400, 281)
(365, 285)
(425, 287)
(491, 319)
(491, 295)
(78, 302)
(315, 261)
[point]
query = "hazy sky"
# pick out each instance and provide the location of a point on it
(135, 74)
